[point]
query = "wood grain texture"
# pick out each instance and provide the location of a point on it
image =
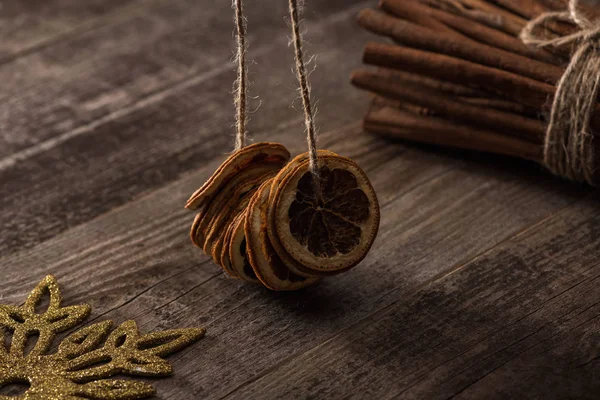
(174, 130)
(33, 101)
(26, 26)
(523, 318)
(481, 283)
(138, 263)
(52, 95)
(71, 83)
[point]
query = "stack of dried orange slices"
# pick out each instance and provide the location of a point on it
(268, 220)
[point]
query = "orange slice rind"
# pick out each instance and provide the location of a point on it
(238, 199)
(330, 227)
(221, 204)
(238, 253)
(267, 265)
(289, 261)
(224, 260)
(236, 162)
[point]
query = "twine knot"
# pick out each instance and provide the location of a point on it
(568, 148)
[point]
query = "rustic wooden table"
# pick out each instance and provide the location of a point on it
(482, 282)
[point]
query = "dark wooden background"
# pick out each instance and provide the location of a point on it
(483, 281)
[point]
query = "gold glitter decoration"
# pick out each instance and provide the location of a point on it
(83, 361)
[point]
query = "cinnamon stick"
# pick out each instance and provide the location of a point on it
(405, 125)
(532, 9)
(394, 75)
(463, 93)
(447, 106)
(493, 16)
(519, 88)
(413, 35)
(525, 9)
(477, 32)
(402, 105)
(480, 11)
(501, 104)
(418, 13)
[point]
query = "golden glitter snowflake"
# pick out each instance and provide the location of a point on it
(85, 359)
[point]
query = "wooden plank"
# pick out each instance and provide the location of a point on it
(52, 92)
(520, 321)
(412, 321)
(49, 95)
(110, 161)
(166, 219)
(26, 26)
(136, 262)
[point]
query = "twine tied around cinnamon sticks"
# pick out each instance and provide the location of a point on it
(568, 148)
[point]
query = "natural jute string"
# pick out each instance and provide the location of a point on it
(241, 83)
(568, 147)
(311, 135)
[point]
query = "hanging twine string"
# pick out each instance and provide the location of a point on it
(241, 83)
(311, 135)
(568, 148)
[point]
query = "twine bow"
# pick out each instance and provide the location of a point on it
(568, 148)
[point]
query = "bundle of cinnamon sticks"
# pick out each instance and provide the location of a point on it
(455, 73)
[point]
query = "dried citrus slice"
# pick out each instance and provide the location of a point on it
(267, 265)
(216, 250)
(290, 166)
(329, 227)
(225, 199)
(238, 253)
(236, 162)
(194, 229)
(230, 209)
(290, 262)
(225, 260)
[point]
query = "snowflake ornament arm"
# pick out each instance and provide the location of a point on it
(86, 358)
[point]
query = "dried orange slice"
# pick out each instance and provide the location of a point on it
(267, 265)
(224, 201)
(194, 229)
(236, 162)
(220, 242)
(290, 262)
(238, 252)
(238, 201)
(329, 227)
(225, 261)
